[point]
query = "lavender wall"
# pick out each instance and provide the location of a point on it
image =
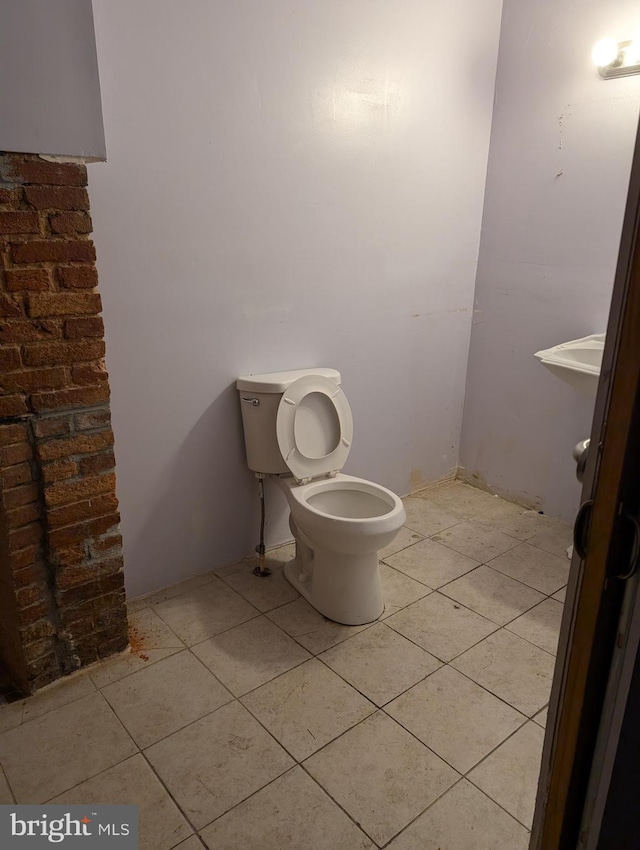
(289, 184)
(560, 155)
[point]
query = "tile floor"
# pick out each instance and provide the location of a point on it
(244, 719)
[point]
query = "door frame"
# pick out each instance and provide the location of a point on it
(594, 599)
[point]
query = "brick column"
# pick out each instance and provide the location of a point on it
(61, 578)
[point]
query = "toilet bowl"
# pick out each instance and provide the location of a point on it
(298, 429)
(340, 524)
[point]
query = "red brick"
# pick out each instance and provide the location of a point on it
(77, 533)
(54, 251)
(53, 426)
(17, 280)
(9, 307)
(89, 374)
(23, 516)
(54, 353)
(81, 444)
(31, 593)
(13, 405)
(25, 331)
(10, 197)
(24, 537)
(57, 198)
(72, 514)
(66, 492)
(11, 455)
(15, 433)
(68, 556)
(38, 650)
(74, 328)
(19, 222)
(35, 170)
(34, 612)
(97, 463)
(78, 277)
(106, 544)
(41, 629)
(92, 419)
(29, 380)
(73, 576)
(41, 402)
(70, 223)
(15, 475)
(59, 471)
(25, 558)
(27, 576)
(9, 359)
(64, 304)
(22, 495)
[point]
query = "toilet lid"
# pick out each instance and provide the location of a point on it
(314, 427)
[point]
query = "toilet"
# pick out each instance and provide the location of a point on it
(298, 429)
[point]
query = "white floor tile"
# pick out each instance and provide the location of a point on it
(53, 753)
(380, 663)
(512, 669)
(381, 775)
(192, 843)
(216, 762)
(427, 518)
(263, 593)
(302, 622)
(161, 825)
(556, 539)
(515, 520)
(11, 715)
(56, 695)
(510, 774)
(476, 541)
(398, 590)
(431, 563)
(307, 707)
(405, 537)
(463, 819)
(461, 499)
(455, 717)
(441, 626)
(561, 595)
(291, 813)
(178, 589)
(540, 625)
(205, 611)
(541, 717)
(250, 655)
(6, 797)
(535, 567)
(155, 702)
(493, 595)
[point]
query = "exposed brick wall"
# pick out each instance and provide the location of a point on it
(61, 570)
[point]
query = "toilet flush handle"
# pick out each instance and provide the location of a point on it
(254, 401)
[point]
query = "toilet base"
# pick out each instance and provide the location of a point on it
(343, 588)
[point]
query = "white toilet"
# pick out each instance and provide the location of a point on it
(298, 428)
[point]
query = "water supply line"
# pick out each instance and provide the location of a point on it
(261, 570)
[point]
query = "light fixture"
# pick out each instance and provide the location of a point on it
(616, 58)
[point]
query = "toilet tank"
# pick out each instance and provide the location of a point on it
(259, 400)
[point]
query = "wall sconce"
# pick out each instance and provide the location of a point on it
(616, 58)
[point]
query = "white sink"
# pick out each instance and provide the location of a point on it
(576, 362)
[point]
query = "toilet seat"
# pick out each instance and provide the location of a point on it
(314, 427)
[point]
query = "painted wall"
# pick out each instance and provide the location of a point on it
(50, 93)
(289, 184)
(561, 147)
